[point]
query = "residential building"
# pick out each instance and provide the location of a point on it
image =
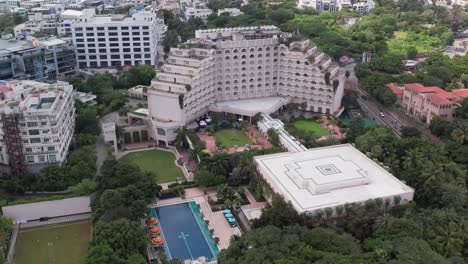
(139, 91)
(363, 7)
(37, 124)
(449, 3)
(230, 11)
(85, 98)
(398, 90)
(241, 71)
(108, 41)
(426, 102)
(52, 24)
(197, 12)
(46, 61)
(330, 177)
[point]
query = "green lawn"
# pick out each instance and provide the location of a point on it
(232, 137)
(312, 127)
(65, 243)
(157, 161)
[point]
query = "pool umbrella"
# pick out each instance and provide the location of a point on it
(231, 220)
(227, 211)
(228, 215)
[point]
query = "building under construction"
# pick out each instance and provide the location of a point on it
(44, 61)
(36, 126)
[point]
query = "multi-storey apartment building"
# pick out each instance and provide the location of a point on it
(361, 6)
(107, 41)
(37, 124)
(232, 64)
(428, 101)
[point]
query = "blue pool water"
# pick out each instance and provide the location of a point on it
(185, 232)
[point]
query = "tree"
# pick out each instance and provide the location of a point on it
(85, 187)
(85, 139)
(388, 63)
(101, 254)
(407, 131)
(280, 213)
(355, 128)
(273, 137)
(292, 245)
(117, 174)
(439, 126)
(207, 179)
(460, 133)
(219, 164)
(411, 52)
(124, 237)
(140, 75)
(256, 118)
(86, 120)
(224, 192)
(181, 138)
(462, 111)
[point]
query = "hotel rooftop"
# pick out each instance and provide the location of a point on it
(329, 177)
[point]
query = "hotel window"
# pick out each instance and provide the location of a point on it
(52, 158)
(30, 159)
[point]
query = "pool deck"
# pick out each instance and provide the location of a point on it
(222, 230)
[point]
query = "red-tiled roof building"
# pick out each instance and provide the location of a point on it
(429, 101)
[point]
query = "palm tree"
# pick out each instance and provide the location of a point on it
(460, 134)
(219, 164)
(448, 240)
(181, 138)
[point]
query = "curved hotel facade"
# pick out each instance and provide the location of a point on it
(242, 71)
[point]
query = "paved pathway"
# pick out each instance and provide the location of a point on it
(101, 153)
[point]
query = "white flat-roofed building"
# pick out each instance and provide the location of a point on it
(108, 41)
(230, 11)
(328, 177)
(197, 12)
(242, 71)
(37, 125)
(363, 7)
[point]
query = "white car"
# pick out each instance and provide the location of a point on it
(382, 114)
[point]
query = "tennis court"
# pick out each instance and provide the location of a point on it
(185, 232)
(56, 244)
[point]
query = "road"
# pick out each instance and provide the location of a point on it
(391, 117)
(371, 108)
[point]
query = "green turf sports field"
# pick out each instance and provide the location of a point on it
(158, 161)
(232, 137)
(57, 244)
(312, 127)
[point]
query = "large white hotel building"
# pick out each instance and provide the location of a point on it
(37, 121)
(110, 40)
(241, 71)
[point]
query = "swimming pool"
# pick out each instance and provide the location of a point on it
(186, 234)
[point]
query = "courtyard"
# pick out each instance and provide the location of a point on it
(64, 243)
(162, 163)
(311, 127)
(229, 138)
(234, 140)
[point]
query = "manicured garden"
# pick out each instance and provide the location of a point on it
(162, 163)
(65, 243)
(312, 127)
(229, 138)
